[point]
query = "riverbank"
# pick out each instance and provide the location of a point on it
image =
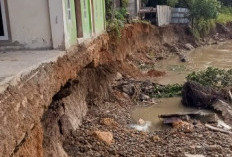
(129, 142)
(126, 141)
(42, 111)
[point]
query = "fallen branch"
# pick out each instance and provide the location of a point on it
(218, 129)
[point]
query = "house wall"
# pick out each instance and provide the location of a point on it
(133, 8)
(57, 24)
(86, 18)
(70, 26)
(99, 15)
(30, 23)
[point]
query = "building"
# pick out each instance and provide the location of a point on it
(49, 24)
(133, 7)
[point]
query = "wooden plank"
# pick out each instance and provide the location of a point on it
(218, 129)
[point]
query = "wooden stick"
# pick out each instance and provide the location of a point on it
(218, 129)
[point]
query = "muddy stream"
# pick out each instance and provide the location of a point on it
(219, 56)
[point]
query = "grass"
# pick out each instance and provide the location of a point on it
(225, 15)
(224, 18)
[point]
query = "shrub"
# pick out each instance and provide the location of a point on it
(212, 77)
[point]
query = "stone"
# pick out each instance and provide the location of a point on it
(156, 138)
(128, 89)
(183, 126)
(106, 137)
(183, 58)
(231, 147)
(141, 121)
(188, 46)
(118, 76)
(109, 122)
(214, 148)
(143, 97)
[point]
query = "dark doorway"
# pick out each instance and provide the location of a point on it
(1, 23)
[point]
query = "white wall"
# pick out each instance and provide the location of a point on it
(57, 23)
(30, 23)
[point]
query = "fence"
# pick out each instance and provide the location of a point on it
(163, 15)
(180, 15)
(166, 15)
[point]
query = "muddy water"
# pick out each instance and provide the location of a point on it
(213, 56)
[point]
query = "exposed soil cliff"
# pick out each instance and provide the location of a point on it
(40, 112)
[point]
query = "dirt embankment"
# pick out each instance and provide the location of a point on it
(40, 112)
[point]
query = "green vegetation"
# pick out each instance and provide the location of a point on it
(167, 91)
(204, 14)
(212, 77)
(116, 18)
(225, 15)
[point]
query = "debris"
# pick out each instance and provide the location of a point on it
(223, 125)
(109, 122)
(118, 76)
(200, 115)
(141, 121)
(225, 109)
(188, 46)
(156, 138)
(213, 148)
(183, 58)
(183, 126)
(218, 129)
(106, 137)
(196, 95)
(143, 97)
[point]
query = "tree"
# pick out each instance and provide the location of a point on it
(203, 13)
(206, 9)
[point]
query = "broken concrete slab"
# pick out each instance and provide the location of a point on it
(205, 117)
(16, 64)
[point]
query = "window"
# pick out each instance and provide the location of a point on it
(69, 9)
(3, 23)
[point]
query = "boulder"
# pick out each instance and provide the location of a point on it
(106, 137)
(196, 95)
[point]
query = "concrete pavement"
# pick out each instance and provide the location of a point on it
(15, 64)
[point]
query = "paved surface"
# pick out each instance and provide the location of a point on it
(14, 64)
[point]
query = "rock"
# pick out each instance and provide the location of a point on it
(172, 48)
(183, 126)
(109, 122)
(141, 122)
(106, 137)
(193, 155)
(143, 97)
(128, 89)
(225, 109)
(188, 46)
(196, 95)
(183, 58)
(156, 138)
(207, 117)
(118, 76)
(231, 147)
(214, 148)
